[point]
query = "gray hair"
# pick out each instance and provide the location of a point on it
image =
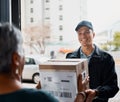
(10, 42)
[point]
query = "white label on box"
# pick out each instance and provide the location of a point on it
(63, 85)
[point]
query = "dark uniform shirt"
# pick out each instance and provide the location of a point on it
(102, 73)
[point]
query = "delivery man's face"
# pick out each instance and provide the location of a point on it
(85, 36)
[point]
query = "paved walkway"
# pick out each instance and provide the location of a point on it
(117, 96)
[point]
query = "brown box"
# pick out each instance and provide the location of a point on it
(59, 77)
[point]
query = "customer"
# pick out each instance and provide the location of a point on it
(103, 78)
(11, 67)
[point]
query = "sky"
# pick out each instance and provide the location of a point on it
(103, 13)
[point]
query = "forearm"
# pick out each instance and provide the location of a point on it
(107, 91)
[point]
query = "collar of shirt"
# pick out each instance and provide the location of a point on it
(85, 56)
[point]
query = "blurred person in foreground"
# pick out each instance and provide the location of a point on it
(11, 67)
(102, 75)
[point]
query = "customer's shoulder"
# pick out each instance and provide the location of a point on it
(36, 92)
(42, 95)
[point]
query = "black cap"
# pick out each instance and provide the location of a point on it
(84, 23)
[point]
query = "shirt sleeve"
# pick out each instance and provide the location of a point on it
(109, 86)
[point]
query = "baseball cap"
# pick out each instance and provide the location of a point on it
(84, 23)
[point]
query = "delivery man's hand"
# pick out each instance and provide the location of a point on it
(80, 97)
(38, 85)
(81, 86)
(91, 94)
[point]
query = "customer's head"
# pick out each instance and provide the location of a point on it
(11, 51)
(85, 33)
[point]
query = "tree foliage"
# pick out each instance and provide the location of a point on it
(36, 36)
(114, 44)
(116, 40)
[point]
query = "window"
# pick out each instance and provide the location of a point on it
(47, 1)
(60, 7)
(60, 27)
(47, 17)
(47, 8)
(31, 10)
(31, 20)
(31, 1)
(60, 38)
(60, 17)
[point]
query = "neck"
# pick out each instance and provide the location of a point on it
(87, 50)
(9, 84)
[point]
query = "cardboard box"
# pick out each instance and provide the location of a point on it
(59, 77)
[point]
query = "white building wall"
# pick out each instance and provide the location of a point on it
(37, 12)
(73, 11)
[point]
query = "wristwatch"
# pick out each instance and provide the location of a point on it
(83, 94)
